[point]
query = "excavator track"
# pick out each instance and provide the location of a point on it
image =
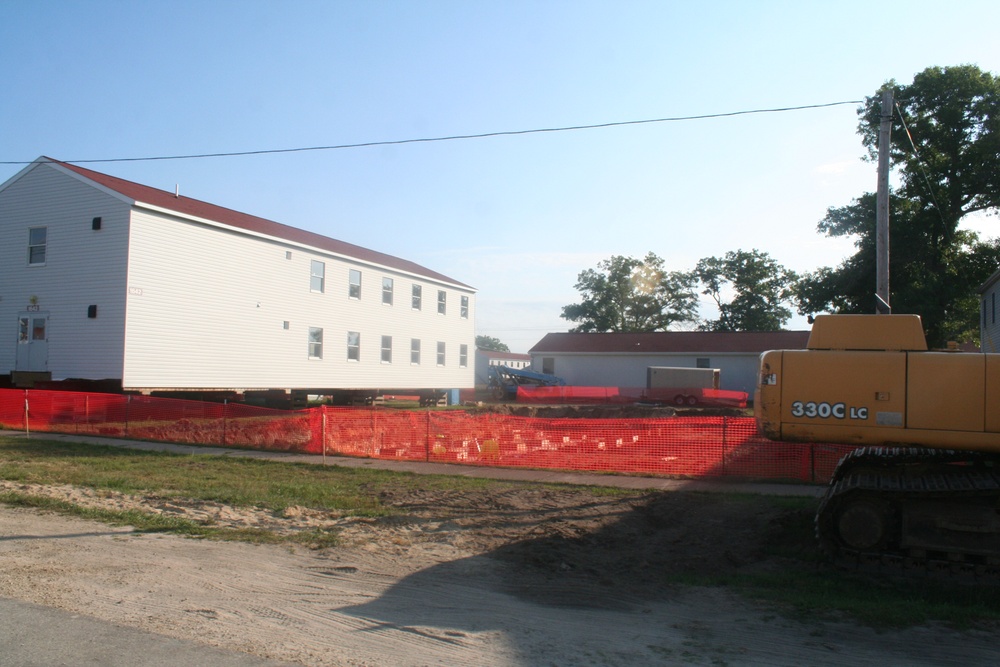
(915, 508)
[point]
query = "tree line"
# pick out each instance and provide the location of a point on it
(945, 154)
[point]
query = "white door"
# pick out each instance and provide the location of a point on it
(32, 342)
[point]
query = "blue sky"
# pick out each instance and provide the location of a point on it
(517, 217)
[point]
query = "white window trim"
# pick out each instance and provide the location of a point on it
(42, 245)
(313, 343)
(349, 346)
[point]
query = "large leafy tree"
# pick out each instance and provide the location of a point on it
(951, 170)
(760, 290)
(491, 343)
(624, 294)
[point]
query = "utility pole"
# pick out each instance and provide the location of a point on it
(882, 306)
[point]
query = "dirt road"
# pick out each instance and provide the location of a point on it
(533, 576)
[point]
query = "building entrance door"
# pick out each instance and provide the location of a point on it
(32, 342)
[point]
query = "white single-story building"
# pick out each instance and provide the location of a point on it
(103, 278)
(989, 330)
(487, 358)
(622, 359)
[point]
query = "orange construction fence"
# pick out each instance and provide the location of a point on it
(689, 446)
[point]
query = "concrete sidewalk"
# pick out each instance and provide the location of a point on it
(36, 636)
(427, 468)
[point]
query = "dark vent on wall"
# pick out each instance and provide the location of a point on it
(92, 312)
(95, 224)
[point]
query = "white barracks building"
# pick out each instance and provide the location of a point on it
(105, 279)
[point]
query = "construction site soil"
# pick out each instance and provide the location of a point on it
(528, 575)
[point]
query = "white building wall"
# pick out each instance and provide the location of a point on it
(83, 267)
(989, 325)
(738, 372)
(207, 309)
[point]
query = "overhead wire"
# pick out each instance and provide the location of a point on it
(920, 163)
(455, 137)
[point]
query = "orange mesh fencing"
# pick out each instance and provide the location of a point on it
(628, 395)
(698, 446)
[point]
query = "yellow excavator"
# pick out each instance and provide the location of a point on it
(923, 485)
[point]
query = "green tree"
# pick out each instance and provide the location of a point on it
(625, 294)
(952, 115)
(491, 343)
(760, 289)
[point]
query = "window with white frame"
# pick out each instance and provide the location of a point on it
(386, 349)
(315, 343)
(463, 356)
(354, 280)
(442, 301)
(465, 308)
(440, 354)
(37, 243)
(387, 291)
(317, 276)
(354, 346)
(417, 296)
(415, 351)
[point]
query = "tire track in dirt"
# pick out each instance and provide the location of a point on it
(513, 579)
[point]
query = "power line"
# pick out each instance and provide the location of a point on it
(456, 137)
(920, 165)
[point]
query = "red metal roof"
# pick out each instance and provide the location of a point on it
(665, 342)
(143, 194)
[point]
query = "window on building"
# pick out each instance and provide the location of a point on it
(387, 291)
(465, 307)
(549, 365)
(417, 294)
(317, 276)
(354, 291)
(386, 349)
(442, 301)
(353, 346)
(702, 362)
(440, 354)
(315, 343)
(22, 330)
(463, 356)
(415, 351)
(37, 241)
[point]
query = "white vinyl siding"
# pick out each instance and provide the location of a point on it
(207, 307)
(82, 268)
(239, 291)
